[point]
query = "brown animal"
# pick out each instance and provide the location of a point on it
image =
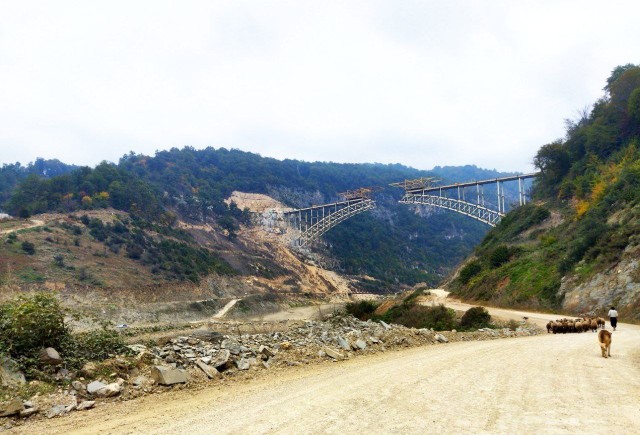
(604, 338)
(600, 321)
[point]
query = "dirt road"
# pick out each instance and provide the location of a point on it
(440, 296)
(33, 223)
(544, 384)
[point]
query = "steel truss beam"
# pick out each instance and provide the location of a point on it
(424, 191)
(483, 214)
(314, 221)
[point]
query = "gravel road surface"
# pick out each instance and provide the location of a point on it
(543, 384)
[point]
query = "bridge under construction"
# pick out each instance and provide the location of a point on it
(476, 199)
(467, 198)
(314, 221)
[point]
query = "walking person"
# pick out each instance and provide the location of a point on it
(613, 317)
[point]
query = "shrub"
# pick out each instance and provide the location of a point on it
(362, 310)
(92, 346)
(31, 322)
(499, 256)
(58, 260)
(28, 247)
(439, 318)
(469, 271)
(474, 318)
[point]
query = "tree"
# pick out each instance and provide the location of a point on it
(554, 162)
(633, 107)
(616, 73)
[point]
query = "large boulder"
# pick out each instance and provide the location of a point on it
(95, 386)
(12, 407)
(207, 335)
(211, 372)
(164, 375)
(10, 374)
(333, 353)
(50, 356)
(109, 390)
(221, 360)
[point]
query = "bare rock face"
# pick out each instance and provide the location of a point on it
(619, 286)
(10, 374)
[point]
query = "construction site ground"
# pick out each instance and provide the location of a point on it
(542, 384)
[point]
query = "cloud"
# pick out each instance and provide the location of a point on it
(419, 83)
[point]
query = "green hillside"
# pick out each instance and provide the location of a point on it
(577, 247)
(394, 244)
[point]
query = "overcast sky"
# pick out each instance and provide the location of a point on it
(422, 83)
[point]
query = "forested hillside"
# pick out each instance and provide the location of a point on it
(395, 244)
(13, 173)
(578, 246)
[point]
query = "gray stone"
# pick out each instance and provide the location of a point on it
(89, 369)
(206, 335)
(441, 338)
(140, 380)
(211, 372)
(164, 375)
(386, 325)
(56, 411)
(50, 356)
(12, 407)
(10, 374)
(264, 350)
(243, 364)
(109, 390)
(25, 413)
(78, 386)
(344, 344)
(361, 344)
(87, 404)
(221, 359)
(233, 348)
(333, 353)
(137, 348)
(95, 386)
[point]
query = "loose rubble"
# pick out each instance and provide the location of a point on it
(209, 356)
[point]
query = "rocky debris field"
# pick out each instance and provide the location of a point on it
(207, 356)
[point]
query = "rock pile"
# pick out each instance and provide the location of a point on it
(209, 354)
(337, 338)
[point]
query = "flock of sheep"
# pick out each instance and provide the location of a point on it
(585, 324)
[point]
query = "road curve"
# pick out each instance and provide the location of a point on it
(543, 384)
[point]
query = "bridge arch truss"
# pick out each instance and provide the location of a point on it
(314, 221)
(456, 197)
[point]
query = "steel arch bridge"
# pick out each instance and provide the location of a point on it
(424, 191)
(314, 221)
